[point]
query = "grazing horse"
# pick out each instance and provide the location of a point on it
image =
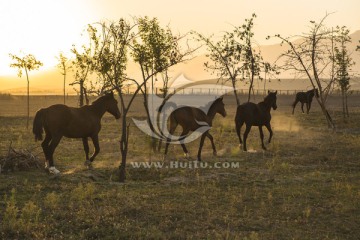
(255, 115)
(305, 97)
(84, 122)
(189, 118)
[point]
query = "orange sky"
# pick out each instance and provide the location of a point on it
(44, 28)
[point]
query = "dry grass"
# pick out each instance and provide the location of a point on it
(306, 186)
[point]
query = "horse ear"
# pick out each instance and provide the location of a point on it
(275, 92)
(268, 91)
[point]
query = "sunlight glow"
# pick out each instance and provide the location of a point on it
(46, 28)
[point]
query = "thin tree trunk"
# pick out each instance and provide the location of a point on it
(81, 93)
(343, 102)
(64, 86)
(163, 123)
(235, 92)
(346, 105)
(251, 86)
(28, 99)
(328, 118)
(123, 149)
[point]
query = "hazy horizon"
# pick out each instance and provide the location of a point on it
(46, 28)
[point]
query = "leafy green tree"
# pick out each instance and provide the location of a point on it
(154, 54)
(83, 65)
(343, 63)
(63, 66)
(252, 60)
(155, 49)
(27, 64)
(234, 57)
(225, 59)
(113, 40)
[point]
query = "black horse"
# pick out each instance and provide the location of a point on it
(60, 120)
(305, 97)
(255, 115)
(189, 117)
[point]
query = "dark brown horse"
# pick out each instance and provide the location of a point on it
(190, 117)
(255, 115)
(85, 122)
(305, 98)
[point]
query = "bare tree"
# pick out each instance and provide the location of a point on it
(312, 55)
(27, 64)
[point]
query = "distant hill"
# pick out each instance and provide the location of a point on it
(50, 81)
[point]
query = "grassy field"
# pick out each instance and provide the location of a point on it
(306, 186)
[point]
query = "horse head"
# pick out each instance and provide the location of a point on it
(271, 99)
(219, 106)
(112, 105)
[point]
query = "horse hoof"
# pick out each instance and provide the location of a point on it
(88, 164)
(53, 170)
(264, 148)
(187, 155)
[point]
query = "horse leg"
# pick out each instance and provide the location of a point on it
(262, 137)
(53, 144)
(95, 140)
(302, 107)
(184, 133)
(294, 105)
(201, 145)
(212, 142)
(238, 125)
(308, 107)
(268, 126)
(86, 147)
(173, 126)
(246, 133)
(45, 147)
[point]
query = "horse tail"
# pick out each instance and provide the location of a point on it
(38, 124)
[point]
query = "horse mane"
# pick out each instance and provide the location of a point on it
(312, 90)
(100, 99)
(266, 99)
(210, 104)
